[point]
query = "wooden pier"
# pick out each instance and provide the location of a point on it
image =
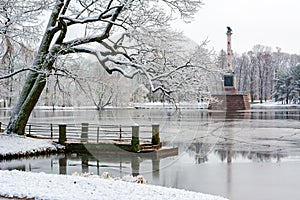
(104, 139)
(149, 148)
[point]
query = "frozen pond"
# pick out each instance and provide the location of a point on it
(244, 155)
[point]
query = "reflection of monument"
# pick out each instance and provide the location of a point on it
(230, 98)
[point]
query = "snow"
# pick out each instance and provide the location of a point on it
(77, 186)
(274, 105)
(181, 105)
(49, 186)
(11, 144)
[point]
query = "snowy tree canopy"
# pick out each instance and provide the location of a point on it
(287, 85)
(20, 23)
(99, 28)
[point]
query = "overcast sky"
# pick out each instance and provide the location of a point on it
(274, 23)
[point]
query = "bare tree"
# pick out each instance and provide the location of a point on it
(100, 20)
(256, 70)
(222, 60)
(19, 30)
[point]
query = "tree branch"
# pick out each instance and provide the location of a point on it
(19, 71)
(104, 15)
(97, 38)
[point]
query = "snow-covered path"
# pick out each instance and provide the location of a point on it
(49, 186)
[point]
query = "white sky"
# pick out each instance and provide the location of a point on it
(274, 23)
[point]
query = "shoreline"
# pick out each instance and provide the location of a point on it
(168, 106)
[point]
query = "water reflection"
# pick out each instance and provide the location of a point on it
(86, 163)
(62, 165)
(135, 165)
(249, 155)
(293, 114)
(200, 151)
(207, 153)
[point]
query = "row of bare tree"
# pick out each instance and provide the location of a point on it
(256, 69)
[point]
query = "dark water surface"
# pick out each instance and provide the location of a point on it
(243, 155)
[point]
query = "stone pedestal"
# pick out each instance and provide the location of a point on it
(230, 101)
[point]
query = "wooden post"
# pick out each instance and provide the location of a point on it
(84, 132)
(98, 134)
(135, 138)
(62, 133)
(155, 134)
(51, 130)
(29, 129)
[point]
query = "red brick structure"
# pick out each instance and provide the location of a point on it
(230, 102)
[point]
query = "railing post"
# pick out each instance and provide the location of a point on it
(51, 130)
(98, 134)
(62, 133)
(135, 138)
(84, 132)
(155, 134)
(29, 129)
(120, 135)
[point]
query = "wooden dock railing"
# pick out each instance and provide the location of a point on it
(135, 138)
(88, 132)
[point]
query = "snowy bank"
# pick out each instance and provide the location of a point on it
(12, 145)
(49, 186)
(181, 105)
(274, 105)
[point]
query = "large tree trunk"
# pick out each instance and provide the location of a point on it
(31, 92)
(36, 80)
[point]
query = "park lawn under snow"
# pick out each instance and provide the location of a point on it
(49, 186)
(12, 144)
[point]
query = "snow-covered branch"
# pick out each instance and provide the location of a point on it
(102, 16)
(100, 37)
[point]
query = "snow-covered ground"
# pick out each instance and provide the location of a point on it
(11, 144)
(273, 105)
(50, 186)
(46, 186)
(181, 105)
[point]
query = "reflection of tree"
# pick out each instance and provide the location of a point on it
(200, 150)
(251, 155)
(290, 114)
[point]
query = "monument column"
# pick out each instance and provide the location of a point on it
(229, 98)
(229, 50)
(229, 78)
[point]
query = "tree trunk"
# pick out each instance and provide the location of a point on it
(36, 80)
(27, 101)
